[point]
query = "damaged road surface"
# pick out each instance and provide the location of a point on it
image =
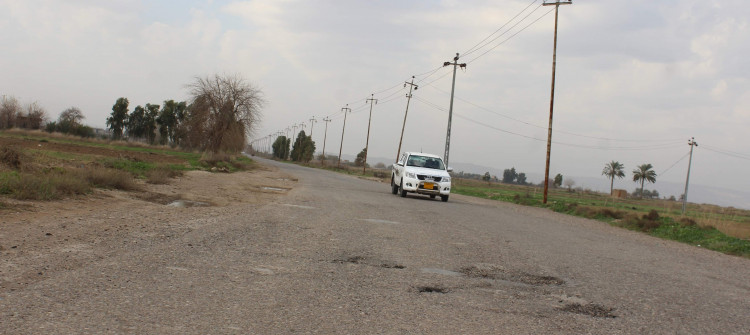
(303, 251)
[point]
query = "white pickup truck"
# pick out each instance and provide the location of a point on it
(421, 173)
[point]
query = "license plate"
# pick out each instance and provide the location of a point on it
(429, 186)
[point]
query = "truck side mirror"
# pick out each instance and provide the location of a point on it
(450, 169)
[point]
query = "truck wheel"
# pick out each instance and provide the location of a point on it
(394, 187)
(444, 198)
(403, 191)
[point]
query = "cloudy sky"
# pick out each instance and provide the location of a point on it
(635, 79)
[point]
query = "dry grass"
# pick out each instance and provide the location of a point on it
(109, 178)
(161, 175)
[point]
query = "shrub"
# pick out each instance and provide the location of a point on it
(161, 175)
(109, 178)
(10, 157)
(687, 222)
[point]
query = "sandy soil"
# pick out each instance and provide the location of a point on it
(40, 238)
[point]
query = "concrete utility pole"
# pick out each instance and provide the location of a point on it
(372, 101)
(312, 123)
(294, 132)
(346, 110)
(552, 96)
(691, 143)
(408, 96)
(450, 110)
(325, 135)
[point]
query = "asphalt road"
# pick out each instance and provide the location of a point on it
(342, 255)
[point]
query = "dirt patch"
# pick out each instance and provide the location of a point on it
(53, 236)
(592, 310)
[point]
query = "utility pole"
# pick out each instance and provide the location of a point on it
(450, 111)
(312, 123)
(552, 96)
(325, 135)
(408, 96)
(691, 143)
(372, 101)
(294, 132)
(346, 110)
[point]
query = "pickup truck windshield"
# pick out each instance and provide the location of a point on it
(425, 162)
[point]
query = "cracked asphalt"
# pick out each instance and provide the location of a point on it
(341, 255)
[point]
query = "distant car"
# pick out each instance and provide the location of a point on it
(422, 174)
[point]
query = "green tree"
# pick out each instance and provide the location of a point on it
(521, 179)
(558, 180)
(116, 120)
(152, 112)
(303, 148)
(169, 119)
(360, 160)
(136, 123)
(613, 169)
(644, 173)
(486, 177)
(281, 147)
(509, 175)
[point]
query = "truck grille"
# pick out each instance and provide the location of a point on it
(434, 178)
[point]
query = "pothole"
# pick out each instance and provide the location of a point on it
(497, 272)
(593, 310)
(187, 203)
(364, 261)
(432, 289)
(440, 272)
(352, 260)
(390, 265)
(273, 189)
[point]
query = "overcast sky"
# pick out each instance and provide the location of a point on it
(635, 79)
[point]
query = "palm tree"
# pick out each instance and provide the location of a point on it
(643, 174)
(613, 169)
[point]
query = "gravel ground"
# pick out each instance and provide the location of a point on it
(292, 250)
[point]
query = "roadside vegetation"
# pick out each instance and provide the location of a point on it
(35, 165)
(713, 227)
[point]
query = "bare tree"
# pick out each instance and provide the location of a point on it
(72, 115)
(569, 183)
(35, 117)
(9, 110)
(223, 111)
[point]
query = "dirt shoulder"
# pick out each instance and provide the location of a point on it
(38, 238)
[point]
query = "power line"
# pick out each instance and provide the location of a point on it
(675, 163)
(727, 153)
(474, 48)
(511, 36)
(484, 124)
(544, 127)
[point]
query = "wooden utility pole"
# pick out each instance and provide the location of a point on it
(450, 110)
(372, 101)
(408, 96)
(691, 143)
(325, 135)
(346, 110)
(312, 123)
(552, 96)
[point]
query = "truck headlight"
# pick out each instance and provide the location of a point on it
(410, 175)
(447, 179)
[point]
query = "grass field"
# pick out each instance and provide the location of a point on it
(35, 165)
